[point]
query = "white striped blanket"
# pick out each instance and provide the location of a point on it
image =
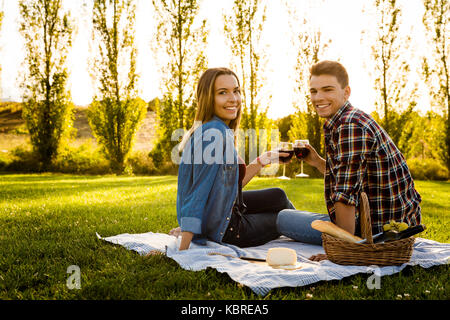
(262, 278)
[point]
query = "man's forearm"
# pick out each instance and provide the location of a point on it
(345, 216)
(319, 163)
(186, 238)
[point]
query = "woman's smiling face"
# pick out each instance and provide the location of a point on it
(227, 98)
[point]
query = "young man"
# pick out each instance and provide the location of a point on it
(360, 157)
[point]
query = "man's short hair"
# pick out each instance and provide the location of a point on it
(332, 68)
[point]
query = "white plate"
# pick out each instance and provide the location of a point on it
(296, 266)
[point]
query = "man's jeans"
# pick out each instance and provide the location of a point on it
(297, 225)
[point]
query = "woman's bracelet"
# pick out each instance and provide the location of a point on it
(258, 159)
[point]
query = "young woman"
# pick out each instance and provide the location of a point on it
(210, 201)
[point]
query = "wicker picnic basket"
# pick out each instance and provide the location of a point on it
(382, 254)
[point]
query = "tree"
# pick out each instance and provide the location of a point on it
(423, 137)
(436, 66)
(391, 69)
(243, 28)
(310, 45)
(116, 111)
(182, 39)
(47, 108)
(1, 21)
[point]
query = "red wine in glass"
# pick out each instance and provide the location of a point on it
(286, 158)
(301, 152)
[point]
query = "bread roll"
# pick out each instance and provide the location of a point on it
(333, 230)
(281, 257)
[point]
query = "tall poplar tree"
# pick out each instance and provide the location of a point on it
(436, 66)
(391, 68)
(310, 45)
(47, 108)
(116, 112)
(181, 40)
(1, 21)
(243, 29)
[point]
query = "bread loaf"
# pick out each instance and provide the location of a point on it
(333, 230)
(281, 257)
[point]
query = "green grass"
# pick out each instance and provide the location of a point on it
(48, 222)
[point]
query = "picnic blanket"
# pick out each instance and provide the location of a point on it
(262, 278)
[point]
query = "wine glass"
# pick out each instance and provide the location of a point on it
(285, 147)
(301, 152)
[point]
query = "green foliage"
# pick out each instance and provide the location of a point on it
(153, 105)
(311, 46)
(21, 159)
(404, 123)
(394, 88)
(167, 124)
(116, 113)
(307, 125)
(47, 107)
(141, 163)
(284, 125)
(114, 124)
(253, 142)
(423, 136)
(5, 160)
(183, 44)
(1, 22)
(48, 123)
(243, 28)
(299, 127)
(427, 169)
(435, 69)
(85, 159)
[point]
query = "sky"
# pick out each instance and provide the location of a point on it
(342, 21)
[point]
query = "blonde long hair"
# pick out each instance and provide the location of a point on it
(205, 102)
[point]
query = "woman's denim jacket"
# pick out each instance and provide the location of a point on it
(207, 181)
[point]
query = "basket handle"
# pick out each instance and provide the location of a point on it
(364, 214)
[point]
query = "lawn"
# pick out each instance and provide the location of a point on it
(48, 223)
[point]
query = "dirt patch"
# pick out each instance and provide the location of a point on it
(12, 124)
(10, 121)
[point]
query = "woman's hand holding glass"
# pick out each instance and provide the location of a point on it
(270, 157)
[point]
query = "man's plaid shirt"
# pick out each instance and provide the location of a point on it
(361, 157)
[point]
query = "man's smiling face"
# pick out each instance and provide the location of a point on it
(327, 95)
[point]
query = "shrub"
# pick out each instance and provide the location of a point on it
(85, 159)
(23, 159)
(5, 159)
(427, 169)
(114, 124)
(141, 163)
